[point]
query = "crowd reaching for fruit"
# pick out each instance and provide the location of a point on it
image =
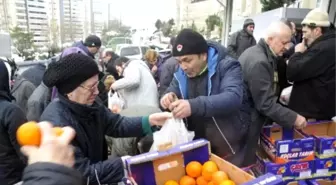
(206, 174)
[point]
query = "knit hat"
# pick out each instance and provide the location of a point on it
(189, 42)
(316, 17)
(92, 41)
(248, 22)
(70, 72)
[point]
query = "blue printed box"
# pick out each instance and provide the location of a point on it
(156, 168)
(267, 179)
(321, 182)
(283, 145)
(324, 168)
(290, 171)
(324, 133)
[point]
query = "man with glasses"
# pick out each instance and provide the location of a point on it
(259, 64)
(312, 68)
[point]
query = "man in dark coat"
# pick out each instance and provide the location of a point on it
(12, 162)
(312, 69)
(242, 39)
(261, 79)
(210, 89)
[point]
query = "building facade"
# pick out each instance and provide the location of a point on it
(196, 12)
(38, 22)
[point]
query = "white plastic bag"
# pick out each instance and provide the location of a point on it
(115, 101)
(285, 95)
(172, 133)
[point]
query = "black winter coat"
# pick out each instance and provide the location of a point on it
(91, 124)
(313, 74)
(12, 162)
(50, 174)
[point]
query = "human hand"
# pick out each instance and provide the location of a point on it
(167, 99)
(154, 69)
(180, 109)
(300, 122)
(301, 47)
(159, 118)
(53, 149)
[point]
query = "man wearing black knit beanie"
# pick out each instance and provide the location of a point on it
(91, 45)
(210, 92)
(242, 39)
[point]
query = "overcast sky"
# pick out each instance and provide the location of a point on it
(142, 13)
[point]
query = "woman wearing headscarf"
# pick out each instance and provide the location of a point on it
(12, 162)
(76, 79)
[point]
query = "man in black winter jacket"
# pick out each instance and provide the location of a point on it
(242, 39)
(312, 69)
(12, 162)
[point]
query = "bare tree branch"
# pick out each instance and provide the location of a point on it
(222, 4)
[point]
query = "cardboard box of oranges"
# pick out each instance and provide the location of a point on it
(187, 164)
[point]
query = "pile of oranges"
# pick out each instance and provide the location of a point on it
(30, 134)
(206, 174)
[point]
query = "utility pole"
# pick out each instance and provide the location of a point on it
(227, 19)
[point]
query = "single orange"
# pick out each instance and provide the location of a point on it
(219, 176)
(208, 169)
(201, 181)
(58, 131)
(194, 169)
(171, 182)
(29, 134)
(186, 180)
(227, 182)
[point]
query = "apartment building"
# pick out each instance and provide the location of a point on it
(197, 11)
(245, 8)
(38, 22)
(100, 15)
(5, 17)
(72, 19)
(54, 23)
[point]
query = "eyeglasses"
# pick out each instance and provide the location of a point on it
(91, 89)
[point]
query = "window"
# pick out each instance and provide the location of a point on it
(129, 51)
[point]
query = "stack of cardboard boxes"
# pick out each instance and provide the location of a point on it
(299, 156)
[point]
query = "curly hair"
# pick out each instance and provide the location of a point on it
(151, 56)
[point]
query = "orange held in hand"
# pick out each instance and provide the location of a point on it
(194, 169)
(208, 169)
(219, 177)
(30, 133)
(171, 182)
(186, 180)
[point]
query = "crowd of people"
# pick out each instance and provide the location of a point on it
(225, 95)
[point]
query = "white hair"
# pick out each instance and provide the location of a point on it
(276, 28)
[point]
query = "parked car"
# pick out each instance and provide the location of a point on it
(118, 40)
(132, 51)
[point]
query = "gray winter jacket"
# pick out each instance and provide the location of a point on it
(138, 86)
(22, 90)
(37, 102)
(239, 42)
(261, 79)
